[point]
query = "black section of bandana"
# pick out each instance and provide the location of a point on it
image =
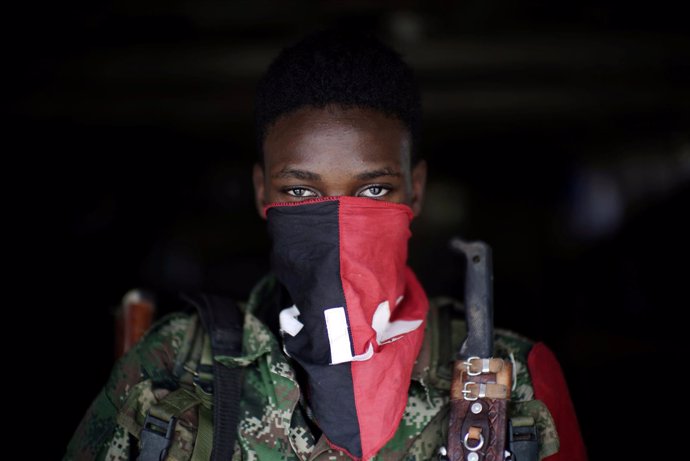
(305, 258)
(333, 402)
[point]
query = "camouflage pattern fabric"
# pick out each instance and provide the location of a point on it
(273, 413)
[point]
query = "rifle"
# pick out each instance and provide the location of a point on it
(481, 383)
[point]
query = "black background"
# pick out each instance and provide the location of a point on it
(555, 131)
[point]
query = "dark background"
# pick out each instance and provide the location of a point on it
(555, 131)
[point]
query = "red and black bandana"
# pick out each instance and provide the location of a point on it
(357, 320)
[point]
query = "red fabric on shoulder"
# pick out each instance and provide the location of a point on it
(550, 387)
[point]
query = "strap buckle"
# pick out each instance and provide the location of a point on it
(472, 395)
(468, 366)
(156, 438)
(523, 441)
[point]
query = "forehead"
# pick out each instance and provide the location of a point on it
(337, 136)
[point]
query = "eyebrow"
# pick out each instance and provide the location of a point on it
(305, 175)
(373, 174)
(294, 173)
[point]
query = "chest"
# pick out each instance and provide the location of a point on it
(275, 421)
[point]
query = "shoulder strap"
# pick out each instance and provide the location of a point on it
(222, 320)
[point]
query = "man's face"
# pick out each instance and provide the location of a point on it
(332, 152)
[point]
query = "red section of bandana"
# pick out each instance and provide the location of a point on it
(381, 384)
(373, 255)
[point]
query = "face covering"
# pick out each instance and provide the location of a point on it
(358, 312)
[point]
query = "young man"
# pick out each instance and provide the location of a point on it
(342, 354)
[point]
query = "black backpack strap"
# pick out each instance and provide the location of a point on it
(223, 321)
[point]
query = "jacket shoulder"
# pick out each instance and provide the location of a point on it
(99, 434)
(154, 356)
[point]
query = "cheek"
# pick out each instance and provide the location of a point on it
(398, 196)
(271, 193)
(404, 194)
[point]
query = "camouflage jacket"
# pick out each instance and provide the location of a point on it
(273, 414)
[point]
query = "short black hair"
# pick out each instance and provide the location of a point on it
(342, 68)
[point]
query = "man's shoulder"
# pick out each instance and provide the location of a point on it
(508, 342)
(155, 355)
(168, 333)
(170, 326)
(447, 330)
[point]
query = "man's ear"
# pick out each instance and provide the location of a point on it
(418, 186)
(259, 189)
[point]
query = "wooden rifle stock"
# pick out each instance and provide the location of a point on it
(132, 319)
